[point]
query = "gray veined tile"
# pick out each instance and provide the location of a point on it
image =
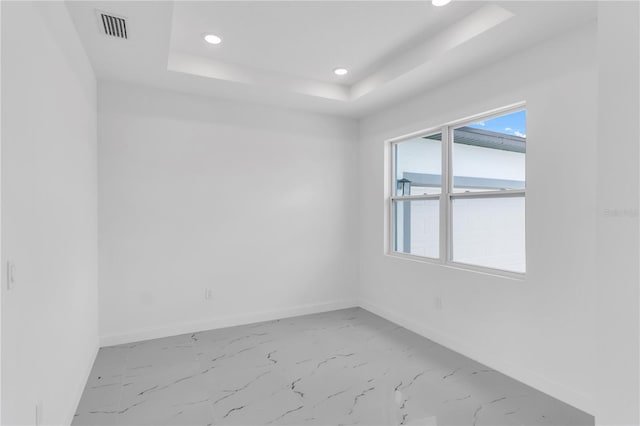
(108, 366)
(263, 402)
(103, 417)
(154, 412)
(101, 398)
(155, 355)
(99, 402)
(175, 396)
(344, 367)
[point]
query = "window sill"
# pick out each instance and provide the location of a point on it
(515, 276)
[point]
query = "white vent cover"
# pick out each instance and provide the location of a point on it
(112, 25)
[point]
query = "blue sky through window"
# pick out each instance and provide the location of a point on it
(511, 124)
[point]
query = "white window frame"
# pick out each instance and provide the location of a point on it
(447, 195)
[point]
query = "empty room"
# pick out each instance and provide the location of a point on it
(320, 213)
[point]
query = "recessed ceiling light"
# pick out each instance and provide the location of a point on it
(340, 71)
(213, 39)
(440, 2)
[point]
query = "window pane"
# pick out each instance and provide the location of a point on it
(490, 232)
(418, 161)
(417, 227)
(490, 155)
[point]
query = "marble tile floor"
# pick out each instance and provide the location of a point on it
(343, 367)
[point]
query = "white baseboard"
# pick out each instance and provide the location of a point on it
(222, 322)
(83, 382)
(569, 396)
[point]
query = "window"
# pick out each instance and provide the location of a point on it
(458, 193)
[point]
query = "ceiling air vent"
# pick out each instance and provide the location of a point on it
(112, 25)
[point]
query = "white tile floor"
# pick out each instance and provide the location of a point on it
(337, 368)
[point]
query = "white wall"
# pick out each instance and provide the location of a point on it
(1, 258)
(254, 203)
(49, 214)
(540, 329)
(618, 332)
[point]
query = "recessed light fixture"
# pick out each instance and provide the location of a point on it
(440, 2)
(340, 71)
(213, 39)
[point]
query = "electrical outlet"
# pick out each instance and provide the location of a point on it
(11, 275)
(207, 294)
(437, 303)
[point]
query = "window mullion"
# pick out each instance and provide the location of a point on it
(392, 214)
(415, 197)
(444, 197)
(450, 184)
(489, 194)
